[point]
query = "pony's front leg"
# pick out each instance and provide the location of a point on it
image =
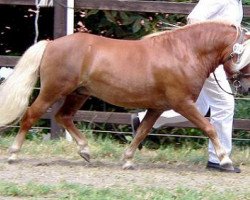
(141, 133)
(190, 112)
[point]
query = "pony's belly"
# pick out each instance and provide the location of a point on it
(133, 100)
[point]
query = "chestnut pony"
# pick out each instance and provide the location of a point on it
(161, 72)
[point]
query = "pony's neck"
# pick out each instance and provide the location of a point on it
(209, 42)
(212, 42)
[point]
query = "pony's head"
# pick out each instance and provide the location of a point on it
(237, 65)
(241, 80)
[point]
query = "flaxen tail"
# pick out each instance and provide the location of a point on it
(16, 89)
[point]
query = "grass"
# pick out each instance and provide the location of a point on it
(106, 148)
(66, 190)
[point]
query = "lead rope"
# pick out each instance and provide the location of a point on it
(236, 85)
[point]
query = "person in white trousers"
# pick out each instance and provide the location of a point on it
(212, 96)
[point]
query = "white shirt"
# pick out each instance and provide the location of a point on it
(226, 10)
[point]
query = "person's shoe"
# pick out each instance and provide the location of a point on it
(217, 167)
(135, 123)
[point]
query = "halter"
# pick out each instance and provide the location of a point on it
(238, 49)
(235, 79)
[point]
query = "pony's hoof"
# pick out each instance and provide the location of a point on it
(228, 167)
(128, 166)
(226, 163)
(84, 155)
(12, 160)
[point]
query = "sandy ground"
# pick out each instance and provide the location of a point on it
(105, 174)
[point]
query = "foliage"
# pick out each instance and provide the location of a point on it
(242, 109)
(130, 25)
(246, 2)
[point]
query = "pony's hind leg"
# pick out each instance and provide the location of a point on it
(64, 117)
(141, 133)
(33, 113)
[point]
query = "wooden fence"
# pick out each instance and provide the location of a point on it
(60, 13)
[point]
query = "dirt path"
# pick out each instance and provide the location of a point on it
(109, 174)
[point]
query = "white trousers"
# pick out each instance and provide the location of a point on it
(221, 107)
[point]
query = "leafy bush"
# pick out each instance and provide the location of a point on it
(246, 2)
(119, 24)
